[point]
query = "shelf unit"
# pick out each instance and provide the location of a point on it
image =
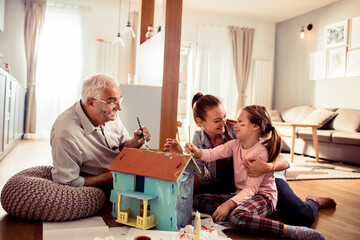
(12, 109)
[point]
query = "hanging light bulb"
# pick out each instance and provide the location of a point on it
(129, 29)
(302, 33)
(118, 38)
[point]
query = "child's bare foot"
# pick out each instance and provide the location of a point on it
(325, 202)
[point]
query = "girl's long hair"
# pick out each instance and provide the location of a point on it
(260, 116)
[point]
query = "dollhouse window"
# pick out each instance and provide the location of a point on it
(139, 183)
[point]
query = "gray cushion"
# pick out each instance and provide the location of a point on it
(319, 116)
(347, 120)
(346, 138)
(296, 114)
(275, 116)
(31, 194)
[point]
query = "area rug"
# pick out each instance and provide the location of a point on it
(306, 168)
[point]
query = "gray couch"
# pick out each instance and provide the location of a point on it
(338, 138)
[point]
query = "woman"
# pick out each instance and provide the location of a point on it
(209, 114)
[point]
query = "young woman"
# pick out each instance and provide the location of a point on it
(255, 197)
(217, 177)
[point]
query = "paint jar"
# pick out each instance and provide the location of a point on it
(142, 238)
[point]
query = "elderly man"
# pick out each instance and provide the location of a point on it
(87, 137)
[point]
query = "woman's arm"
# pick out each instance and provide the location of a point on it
(256, 167)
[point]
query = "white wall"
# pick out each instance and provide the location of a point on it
(12, 45)
(292, 85)
(264, 38)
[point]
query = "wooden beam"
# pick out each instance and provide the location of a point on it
(147, 17)
(169, 97)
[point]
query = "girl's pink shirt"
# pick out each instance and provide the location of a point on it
(246, 187)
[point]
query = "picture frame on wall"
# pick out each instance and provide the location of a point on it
(336, 62)
(353, 63)
(336, 34)
(355, 33)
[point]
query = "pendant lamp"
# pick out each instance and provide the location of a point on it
(129, 29)
(118, 38)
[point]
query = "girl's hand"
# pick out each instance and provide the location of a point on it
(223, 210)
(191, 148)
(172, 146)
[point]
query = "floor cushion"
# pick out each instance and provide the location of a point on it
(31, 194)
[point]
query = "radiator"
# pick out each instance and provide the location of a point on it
(262, 83)
(113, 60)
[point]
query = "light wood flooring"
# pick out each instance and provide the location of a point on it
(342, 222)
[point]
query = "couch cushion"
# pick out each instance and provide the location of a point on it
(296, 114)
(319, 116)
(347, 120)
(323, 135)
(346, 137)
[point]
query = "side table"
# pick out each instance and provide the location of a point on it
(294, 126)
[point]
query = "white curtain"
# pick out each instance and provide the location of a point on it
(213, 72)
(59, 70)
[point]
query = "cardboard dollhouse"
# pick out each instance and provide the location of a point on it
(153, 189)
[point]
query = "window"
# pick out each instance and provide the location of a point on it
(58, 80)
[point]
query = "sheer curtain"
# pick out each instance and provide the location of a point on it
(213, 71)
(59, 70)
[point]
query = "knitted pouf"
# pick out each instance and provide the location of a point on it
(31, 194)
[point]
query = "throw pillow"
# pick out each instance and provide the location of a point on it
(296, 114)
(319, 116)
(347, 120)
(275, 116)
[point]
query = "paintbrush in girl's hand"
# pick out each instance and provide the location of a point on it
(142, 132)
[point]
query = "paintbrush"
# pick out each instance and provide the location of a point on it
(142, 133)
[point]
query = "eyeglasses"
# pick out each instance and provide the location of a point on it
(111, 103)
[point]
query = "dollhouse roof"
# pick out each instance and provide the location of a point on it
(155, 164)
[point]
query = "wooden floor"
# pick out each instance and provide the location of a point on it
(342, 222)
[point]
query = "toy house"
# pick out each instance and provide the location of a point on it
(153, 189)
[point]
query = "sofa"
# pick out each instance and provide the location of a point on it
(338, 136)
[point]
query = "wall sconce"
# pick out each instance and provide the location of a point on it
(302, 32)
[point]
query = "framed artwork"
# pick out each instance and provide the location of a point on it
(353, 63)
(336, 34)
(355, 33)
(317, 65)
(336, 62)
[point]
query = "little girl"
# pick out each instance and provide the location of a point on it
(255, 197)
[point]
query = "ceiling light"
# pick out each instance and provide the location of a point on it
(129, 29)
(118, 38)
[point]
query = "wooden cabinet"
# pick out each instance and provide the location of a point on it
(12, 109)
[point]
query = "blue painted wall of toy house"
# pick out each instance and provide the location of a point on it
(163, 207)
(172, 208)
